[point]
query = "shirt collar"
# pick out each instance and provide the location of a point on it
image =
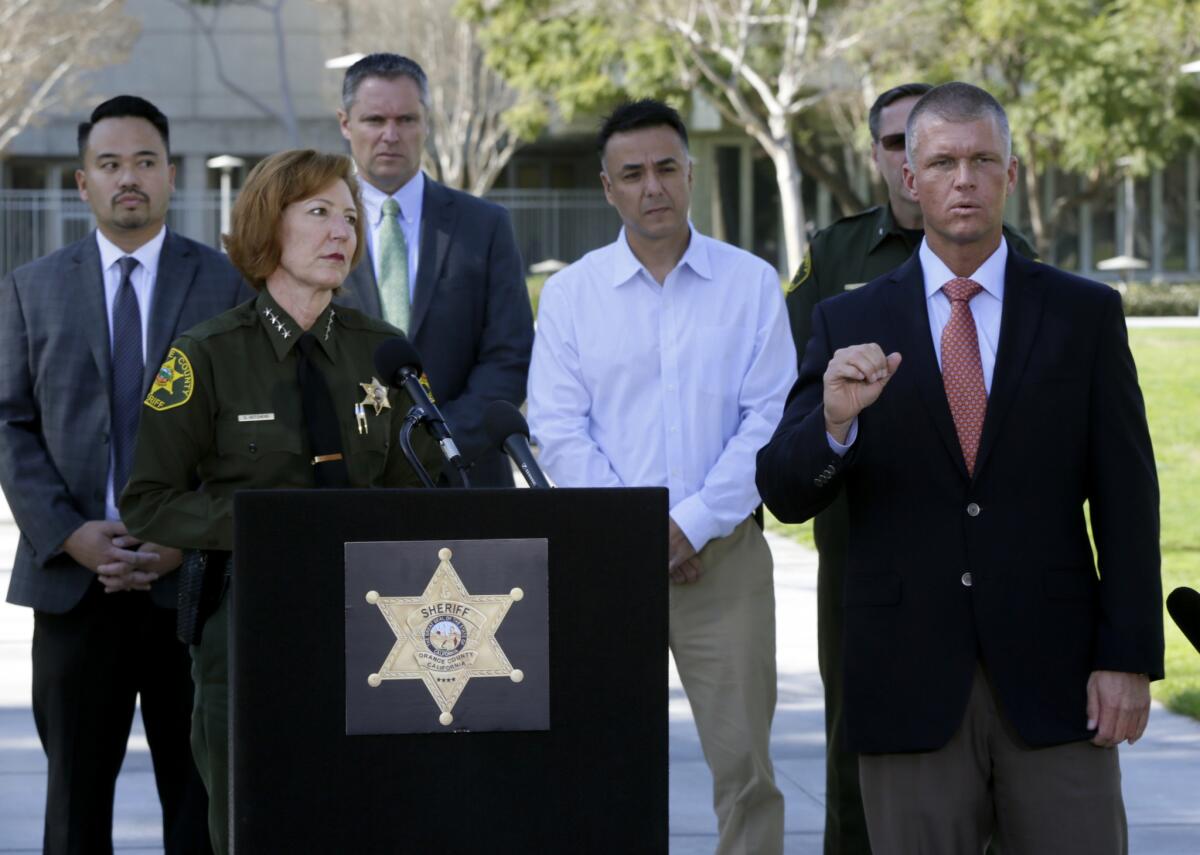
(409, 197)
(626, 264)
(884, 225)
(283, 331)
(990, 274)
(146, 254)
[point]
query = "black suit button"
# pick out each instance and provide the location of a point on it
(967, 580)
(253, 447)
(972, 510)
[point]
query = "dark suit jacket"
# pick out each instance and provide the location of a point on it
(1065, 424)
(471, 320)
(54, 397)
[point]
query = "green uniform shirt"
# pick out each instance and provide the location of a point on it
(224, 414)
(852, 252)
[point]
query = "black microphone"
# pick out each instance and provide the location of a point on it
(507, 430)
(1184, 608)
(399, 364)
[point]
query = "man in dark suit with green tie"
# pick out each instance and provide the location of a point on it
(441, 264)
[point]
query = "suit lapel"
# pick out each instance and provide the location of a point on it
(915, 344)
(437, 226)
(1024, 296)
(89, 280)
(176, 273)
(362, 291)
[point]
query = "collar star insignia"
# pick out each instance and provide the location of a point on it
(376, 396)
(445, 636)
(276, 322)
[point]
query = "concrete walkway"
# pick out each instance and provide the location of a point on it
(1162, 772)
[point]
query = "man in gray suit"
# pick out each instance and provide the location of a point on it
(82, 332)
(442, 265)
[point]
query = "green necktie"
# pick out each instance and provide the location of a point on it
(393, 267)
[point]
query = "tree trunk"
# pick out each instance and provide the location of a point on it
(787, 176)
(837, 184)
(1033, 197)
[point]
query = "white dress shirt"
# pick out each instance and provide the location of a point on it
(411, 199)
(142, 279)
(986, 309)
(633, 384)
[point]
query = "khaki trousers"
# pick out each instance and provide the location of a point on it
(722, 635)
(987, 785)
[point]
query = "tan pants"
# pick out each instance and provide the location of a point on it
(722, 635)
(987, 785)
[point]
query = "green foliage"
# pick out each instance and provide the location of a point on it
(1168, 363)
(1085, 82)
(1143, 299)
(569, 59)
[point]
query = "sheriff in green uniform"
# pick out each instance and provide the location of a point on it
(846, 255)
(280, 392)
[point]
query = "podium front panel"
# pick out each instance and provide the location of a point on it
(594, 781)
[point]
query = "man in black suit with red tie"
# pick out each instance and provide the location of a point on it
(970, 403)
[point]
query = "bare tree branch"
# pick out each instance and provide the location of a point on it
(207, 28)
(46, 46)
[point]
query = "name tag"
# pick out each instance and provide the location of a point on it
(257, 417)
(850, 286)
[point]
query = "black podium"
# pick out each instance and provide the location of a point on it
(594, 781)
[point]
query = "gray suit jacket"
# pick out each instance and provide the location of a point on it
(54, 397)
(471, 320)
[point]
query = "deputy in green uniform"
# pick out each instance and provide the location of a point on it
(279, 392)
(846, 255)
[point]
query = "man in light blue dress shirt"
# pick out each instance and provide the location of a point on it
(663, 359)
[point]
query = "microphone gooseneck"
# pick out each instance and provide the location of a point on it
(508, 431)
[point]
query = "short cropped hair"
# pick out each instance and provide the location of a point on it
(389, 66)
(273, 184)
(956, 102)
(635, 115)
(905, 90)
(124, 107)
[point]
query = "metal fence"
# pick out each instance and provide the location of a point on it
(550, 224)
(558, 225)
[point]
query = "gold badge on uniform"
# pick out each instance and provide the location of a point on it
(172, 386)
(802, 274)
(445, 637)
(376, 396)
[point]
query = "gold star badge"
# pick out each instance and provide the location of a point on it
(376, 396)
(445, 636)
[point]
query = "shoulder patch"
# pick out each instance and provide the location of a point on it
(172, 386)
(803, 273)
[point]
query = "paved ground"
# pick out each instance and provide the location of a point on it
(1162, 773)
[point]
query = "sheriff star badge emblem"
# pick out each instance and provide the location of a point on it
(445, 636)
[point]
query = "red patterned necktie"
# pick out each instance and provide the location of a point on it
(962, 370)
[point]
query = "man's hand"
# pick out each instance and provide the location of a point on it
(100, 542)
(683, 564)
(854, 379)
(149, 562)
(1118, 706)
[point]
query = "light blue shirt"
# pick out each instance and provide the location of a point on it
(986, 309)
(411, 199)
(633, 384)
(142, 279)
